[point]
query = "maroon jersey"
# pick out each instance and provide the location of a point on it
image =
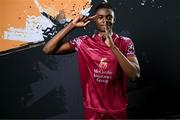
(102, 80)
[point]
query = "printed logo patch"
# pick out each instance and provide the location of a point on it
(131, 48)
(103, 63)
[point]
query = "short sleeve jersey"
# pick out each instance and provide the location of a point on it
(102, 80)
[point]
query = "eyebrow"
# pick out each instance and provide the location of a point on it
(105, 15)
(109, 15)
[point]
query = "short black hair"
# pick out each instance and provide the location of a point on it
(104, 5)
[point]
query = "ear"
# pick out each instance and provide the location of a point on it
(114, 20)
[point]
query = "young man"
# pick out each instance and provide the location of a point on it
(106, 60)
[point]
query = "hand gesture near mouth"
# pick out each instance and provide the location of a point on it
(107, 37)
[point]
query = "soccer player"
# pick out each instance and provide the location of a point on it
(106, 61)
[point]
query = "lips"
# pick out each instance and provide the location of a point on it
(104, 26)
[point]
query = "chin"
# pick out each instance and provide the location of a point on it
(101, 30)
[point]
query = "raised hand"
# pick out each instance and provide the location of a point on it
(107, 37)
(82, 21)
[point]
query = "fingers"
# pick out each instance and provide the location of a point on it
(103, 37)
(81, 16)
(92, 17)
(87, 22)
(106, 29)
(89, 19)
(82, 20)
(86, 18)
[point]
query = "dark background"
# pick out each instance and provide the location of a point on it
(34, 85)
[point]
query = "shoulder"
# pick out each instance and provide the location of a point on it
(122, 38)
(126, 39)
(79, 39)
(126, 45)
(123, 41)
(82, 37)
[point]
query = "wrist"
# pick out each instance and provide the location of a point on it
(71, 25)
(112, 47)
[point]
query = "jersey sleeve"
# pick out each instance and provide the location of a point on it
(76, 42)
(130, 49)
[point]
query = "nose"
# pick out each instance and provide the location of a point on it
(104, 21)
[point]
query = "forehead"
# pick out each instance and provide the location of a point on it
(105, 11)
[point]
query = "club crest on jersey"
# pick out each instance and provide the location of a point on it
(103, 63)
(130, 48)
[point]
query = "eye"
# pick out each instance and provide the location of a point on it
(109, 17)
(100, 16)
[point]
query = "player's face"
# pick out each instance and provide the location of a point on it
(105, 17)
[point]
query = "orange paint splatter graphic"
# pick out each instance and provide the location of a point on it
(22, 21)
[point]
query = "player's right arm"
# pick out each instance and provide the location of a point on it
(56, 46)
